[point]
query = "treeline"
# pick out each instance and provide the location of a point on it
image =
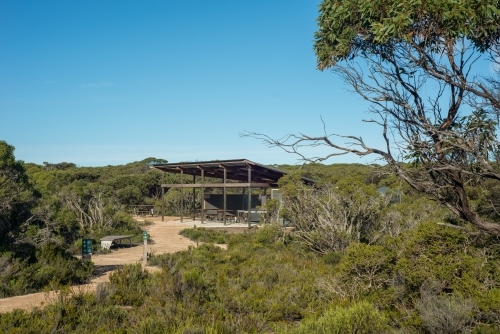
(46, 210)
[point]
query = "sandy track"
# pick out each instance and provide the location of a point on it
(166, 239)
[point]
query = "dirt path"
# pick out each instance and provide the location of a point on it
(166, 239)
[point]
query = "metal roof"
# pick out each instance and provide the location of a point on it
(236, 169)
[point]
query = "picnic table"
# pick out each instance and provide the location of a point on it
(108, 240)
(143, 210)
(255, 215)
(229, 214)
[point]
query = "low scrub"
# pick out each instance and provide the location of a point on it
(361, 318)
(52, 266)
(202, 234)
(266, 282)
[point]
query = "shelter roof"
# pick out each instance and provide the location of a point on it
(236, 169)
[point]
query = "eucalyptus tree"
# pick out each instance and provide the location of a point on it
(17, 196)
(419, 65)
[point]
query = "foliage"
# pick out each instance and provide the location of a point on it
(51, 266)
(262, 284)
(399, 271)
(206, 235)
(418, 65)
(329, 216)
(360, 317)
(91, 201)
(32, 245)
(17, 196)
(444, 313)
(428, 268)
(353, 28)
(129, 285)
(449, 133)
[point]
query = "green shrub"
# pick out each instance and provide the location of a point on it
(52, 265)
(445, 313)
(261, 284)
(268, 234)
(361, 317)
(434, 253)
(364, 269)
(202, 234)
(129, 285)
(332, 258)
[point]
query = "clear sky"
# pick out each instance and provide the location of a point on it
(111, 82)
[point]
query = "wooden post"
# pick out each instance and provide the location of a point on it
(242, 203)
(145, 249)
(224, 192)
(202, 196)
(194, 199)
(162, 197)
(182, 194)
(249, 196)
(243, 190)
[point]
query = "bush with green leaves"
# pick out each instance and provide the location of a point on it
(261, 284)
(51, 266)
(203, 234)
(361, 317)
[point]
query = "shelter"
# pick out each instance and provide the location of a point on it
(241, 173)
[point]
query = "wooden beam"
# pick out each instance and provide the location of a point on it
(202, 194)
(217, 185)
(182, 194)
(249, 196)
(162, 198)
(224, 192)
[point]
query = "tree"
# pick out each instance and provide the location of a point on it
(93, 210)
(17, 196)
(328, 219)
(416, 62)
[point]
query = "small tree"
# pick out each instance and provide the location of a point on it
(328, 219)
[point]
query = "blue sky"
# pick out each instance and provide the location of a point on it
(110, 82)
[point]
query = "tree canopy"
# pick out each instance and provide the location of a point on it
(417, 63)
(449, 134)
(349, 28)
(17, 196)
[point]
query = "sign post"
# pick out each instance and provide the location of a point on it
(145, 249)
(86, 249)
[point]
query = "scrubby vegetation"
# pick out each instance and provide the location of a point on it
(434, 279)
(46, 210)
(367, 254)
(202, 234)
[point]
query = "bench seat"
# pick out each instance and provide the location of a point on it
(108, 240)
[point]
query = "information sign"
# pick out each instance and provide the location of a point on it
(86, 249)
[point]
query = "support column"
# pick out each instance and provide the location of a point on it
(242, 203)
(262, 203)
(182, 195)
(194, 199)
(202, 196)
(224, 192)
(145, 250)
(162, 197)
(249, 196)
